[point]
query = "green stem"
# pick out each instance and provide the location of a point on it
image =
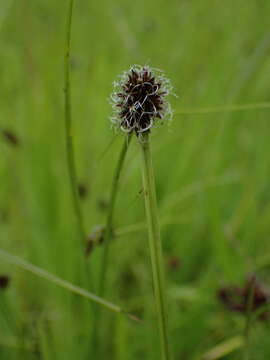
(69, 131)
(23, 264)
(108, 235)
(155, 243)
(109, 221)
(247, 330)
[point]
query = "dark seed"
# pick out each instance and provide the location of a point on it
(4, 281)
(10, 137)
(83, 191)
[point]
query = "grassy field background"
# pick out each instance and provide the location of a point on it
(212, 174)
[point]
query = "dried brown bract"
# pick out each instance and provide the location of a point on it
(139, 99)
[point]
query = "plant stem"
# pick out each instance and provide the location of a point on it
(154, 243)
(108, 235)
(109, 221)
(25, 265)
(247, 330)
(69, 131)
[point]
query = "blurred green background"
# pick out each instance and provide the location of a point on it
(212, 174)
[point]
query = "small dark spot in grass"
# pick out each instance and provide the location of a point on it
(83, 190)
(174, 262)
(102, 204)
(96, 237)
(10, 137)
(4, 281)
(236, 298)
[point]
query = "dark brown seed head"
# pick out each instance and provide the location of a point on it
(4, 281)
(139, 99)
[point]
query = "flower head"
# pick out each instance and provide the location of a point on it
(139, 99)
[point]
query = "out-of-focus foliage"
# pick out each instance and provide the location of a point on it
(212, 173)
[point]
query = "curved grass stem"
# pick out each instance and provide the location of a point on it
(69, 131)
(19, 262)
(155, 243)
(108, 235)
(249, 318)
(109, 221)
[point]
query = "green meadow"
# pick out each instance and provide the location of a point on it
(212, 170)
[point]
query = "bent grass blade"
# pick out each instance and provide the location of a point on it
(23, 264)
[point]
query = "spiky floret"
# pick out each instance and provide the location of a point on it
(139, 99)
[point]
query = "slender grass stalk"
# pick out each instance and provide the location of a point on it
(108, 235)
(139, 100)
(223, 349)
(17, 261)
(223, 108)
(69, 131)
(249, 317)
(155, 243)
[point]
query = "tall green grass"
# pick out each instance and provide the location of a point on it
(212, 172)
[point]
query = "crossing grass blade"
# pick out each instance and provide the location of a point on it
(23, 264)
